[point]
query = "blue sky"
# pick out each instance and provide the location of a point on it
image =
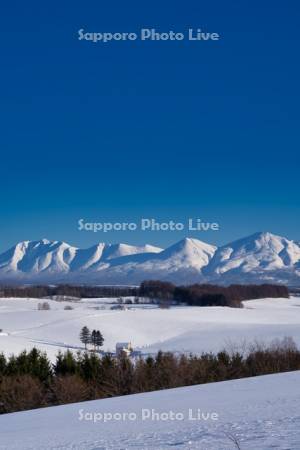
(171, 130)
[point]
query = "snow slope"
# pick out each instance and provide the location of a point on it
(262, 257)
(181, 329)
(54, 260)
(261, 413)
(180, 263)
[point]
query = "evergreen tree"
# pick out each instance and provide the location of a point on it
(125, 372)
(109, 381)
(65, 364)
(99, 339)
(90, 366)
(39, 365)
(94, 338)
(85, 336)
(3, 364)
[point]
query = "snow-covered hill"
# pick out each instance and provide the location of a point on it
(149, 328)
(261, 257)
(252, 413)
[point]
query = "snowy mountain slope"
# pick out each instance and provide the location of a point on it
(119, 250)
(261, 257)
(37, 256)
(107, 263)
(98, 256)
(49, 258)
(259, 251)
(84, 259)
(182, 263)
(257, 413)
(188, 253)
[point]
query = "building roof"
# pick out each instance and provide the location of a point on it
(123, 344)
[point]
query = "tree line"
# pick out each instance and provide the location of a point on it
(209, 294)
(66, 290)
(159, 291)
(29, 380)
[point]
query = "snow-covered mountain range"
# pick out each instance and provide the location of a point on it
(261, 257)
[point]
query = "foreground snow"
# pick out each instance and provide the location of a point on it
(182, 329)
(259, 413)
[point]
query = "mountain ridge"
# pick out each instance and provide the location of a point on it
(260, 257)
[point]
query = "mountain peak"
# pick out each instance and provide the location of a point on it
(260, 252)
(189, 251)
(45, 241)
(266, 235)
(193, 241)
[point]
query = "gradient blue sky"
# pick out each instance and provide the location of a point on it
(168, 130)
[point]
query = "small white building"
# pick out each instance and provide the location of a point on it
(124, 348)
